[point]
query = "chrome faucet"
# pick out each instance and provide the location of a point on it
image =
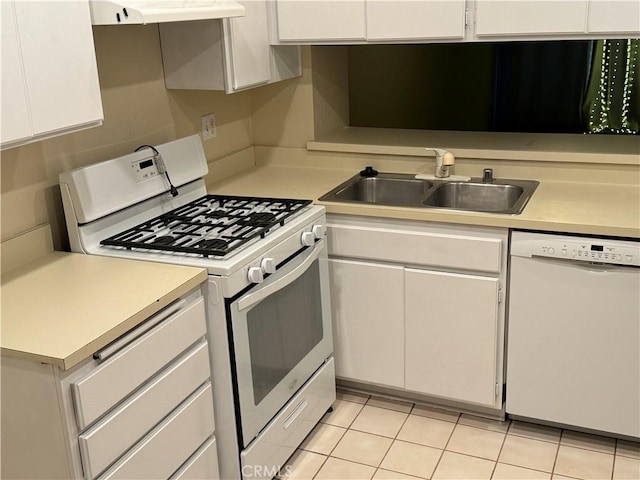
(444, 159)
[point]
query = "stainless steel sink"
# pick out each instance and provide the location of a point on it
(498, 197)
(393, 189)
(384, 189)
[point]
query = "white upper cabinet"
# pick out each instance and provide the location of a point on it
(400, 20)
(530, 17)
(358, 21)
(247, 47)
(231, 54)
(320, 20)
(614, 16)
(60, 83)
(557, 18)
(16, 121)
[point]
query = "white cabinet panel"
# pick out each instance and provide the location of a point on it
(16, 121)
(410, 19)
(171, 443)
(530, 17)
(307, 20)
(49, 74)
(451, 335)
(614, 16)
(247, 42)
(368, 315)
(111, 437)
(121, 374)
(230, 55)
(202, 465)
(60, 64)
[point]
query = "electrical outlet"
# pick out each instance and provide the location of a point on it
(208, 127)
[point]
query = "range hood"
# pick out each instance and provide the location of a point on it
(136, 12)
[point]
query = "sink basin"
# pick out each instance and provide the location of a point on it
(480, 197)
(395, 189)
(384, 189)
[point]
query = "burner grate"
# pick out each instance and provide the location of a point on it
(213, 225)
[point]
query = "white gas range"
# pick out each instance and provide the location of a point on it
(267, 295)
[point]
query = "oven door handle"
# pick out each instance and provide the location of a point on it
(304, 261)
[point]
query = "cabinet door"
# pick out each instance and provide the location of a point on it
(451, 335)
(530, 17)
(414, 20)
(614, 16)
(15, 121)
(60, 65)
(248, 56)
(368, 321)
(307, 20)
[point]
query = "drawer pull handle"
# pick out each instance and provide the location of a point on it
(296, 413)
(118, 344)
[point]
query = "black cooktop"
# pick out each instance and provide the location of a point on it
(213, 225)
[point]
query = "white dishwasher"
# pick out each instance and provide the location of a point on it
(573, 351)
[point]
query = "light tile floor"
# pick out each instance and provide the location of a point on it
(375, 438)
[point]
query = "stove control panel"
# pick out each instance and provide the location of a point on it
(144, 169)
(596, 250)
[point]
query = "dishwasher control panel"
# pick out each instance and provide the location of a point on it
(587, 249)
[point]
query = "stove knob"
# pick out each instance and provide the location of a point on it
(318, 231)
(308, 239)
(268, 265)
(255, 275)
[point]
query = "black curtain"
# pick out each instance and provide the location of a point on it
(540, 86)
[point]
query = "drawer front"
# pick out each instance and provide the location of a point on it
(114, 435)
(202, 465)
(125, 371)
(170, 444)
(452, 251)
(280, 438)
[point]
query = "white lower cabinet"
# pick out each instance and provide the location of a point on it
(451, 334)
(141, 408)
(367, 301)
(417, 307)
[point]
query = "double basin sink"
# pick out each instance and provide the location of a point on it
(394, 189)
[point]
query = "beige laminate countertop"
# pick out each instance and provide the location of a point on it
(63, 307)
(583, 208)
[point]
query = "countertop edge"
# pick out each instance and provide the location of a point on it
(131, 322)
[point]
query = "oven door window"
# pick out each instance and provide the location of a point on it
(282, 330)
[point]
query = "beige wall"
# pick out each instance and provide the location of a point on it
(137, 109)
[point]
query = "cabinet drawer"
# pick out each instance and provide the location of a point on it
(202, 465)
(406, 247)
(125, 371)
(114, 435)
(171, 443)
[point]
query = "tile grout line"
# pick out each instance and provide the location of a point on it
(394, 439)
(456, 423)
(343, 434)
(444, 449)
(504, 440)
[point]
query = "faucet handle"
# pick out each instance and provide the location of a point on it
(487, 175)
(443, 157)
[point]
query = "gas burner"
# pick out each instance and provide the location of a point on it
(212, 225)
(258, 219)
(213, 244)
(164, 240)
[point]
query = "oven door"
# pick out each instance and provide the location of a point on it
(281, 336)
